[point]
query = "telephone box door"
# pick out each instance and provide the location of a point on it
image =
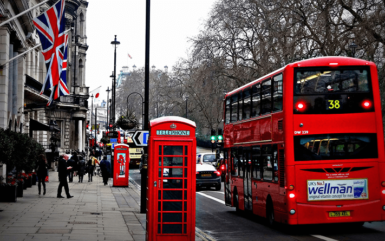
(121, 163)
(174, 211)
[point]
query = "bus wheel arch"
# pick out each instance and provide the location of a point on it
(236, 199)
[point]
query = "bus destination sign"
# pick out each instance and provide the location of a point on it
(172, 133)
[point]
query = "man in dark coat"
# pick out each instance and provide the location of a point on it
(105, 167)
(62, 168)
(71, 163)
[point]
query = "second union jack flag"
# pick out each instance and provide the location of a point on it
(50, 27)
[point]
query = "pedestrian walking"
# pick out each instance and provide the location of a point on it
(81, 168)
(105, 168)
(90, 170)
(75, 157)
(42, 172)
(62, 168)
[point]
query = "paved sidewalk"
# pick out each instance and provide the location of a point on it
(96, 212)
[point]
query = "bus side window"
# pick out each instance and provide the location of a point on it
(256, 100)
(277, 94)
(234, 108)
(227, 111)
(267, 163)
(240, 105)
(266, 97)
(234, 162)
(255, 162)
(241, 162)
(275, 163)
(246, 104)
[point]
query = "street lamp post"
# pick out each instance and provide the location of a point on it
(108, 102)
(142, 105)
(115, 42)
(353, 47)
(92, 108)
(96, 116)
(186, 105)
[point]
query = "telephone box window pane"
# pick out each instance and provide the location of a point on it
(160, 150)
(159, 217)
(172, 195)
(172, 206)
(185, 172)
(173, 150)
(172, 228)
(160, 161)
(160, 172)
(185, 218)
(172, 161)
(185, 161)
(185, 195)
(159, 206)
(185, 183)
(185, 150)
(185, 228)
(185, 206)
(174, 172)
(174, 183)
(172, 217)
(159, 195)
(158, 228)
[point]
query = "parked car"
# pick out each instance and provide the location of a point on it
(207, 176)
(207, 158)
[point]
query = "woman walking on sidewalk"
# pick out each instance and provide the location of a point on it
(90, 170)
(81, 168)
(42, 172)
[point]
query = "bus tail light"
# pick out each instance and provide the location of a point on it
(300, 106)
(383, 184)
(223, 167)
(218, 173)
(367, 104)
(291, 187)
(292, 195)
(197, 173)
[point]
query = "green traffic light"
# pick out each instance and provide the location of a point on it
(213, 138)
(220, 137)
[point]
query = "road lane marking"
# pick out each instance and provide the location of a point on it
(203, 236)
(323, 237)
(213, 198)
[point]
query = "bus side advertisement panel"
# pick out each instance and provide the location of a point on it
(342, 189)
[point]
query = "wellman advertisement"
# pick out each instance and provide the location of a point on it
(340, 189)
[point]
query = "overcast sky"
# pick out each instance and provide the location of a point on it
(172, 23)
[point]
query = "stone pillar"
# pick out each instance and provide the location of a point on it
(11, 75)
(20, 89)
(80, 135)
(14, 91)
(4, 77)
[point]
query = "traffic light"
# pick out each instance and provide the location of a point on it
(87, 124)
(213, 137)
(220, 135)
(110, 125)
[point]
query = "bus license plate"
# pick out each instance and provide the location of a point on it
(339, 214)
(206, 175)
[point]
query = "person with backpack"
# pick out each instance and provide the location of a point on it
(81, 168)
(105, 168)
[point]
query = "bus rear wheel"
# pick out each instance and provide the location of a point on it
(270, 214)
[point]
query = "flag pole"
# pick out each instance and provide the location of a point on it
(22, 13)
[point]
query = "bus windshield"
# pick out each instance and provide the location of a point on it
(335, 146)
(324, 81)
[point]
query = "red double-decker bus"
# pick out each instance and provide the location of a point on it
(305, 144)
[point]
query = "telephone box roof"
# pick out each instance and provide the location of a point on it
(162, 120)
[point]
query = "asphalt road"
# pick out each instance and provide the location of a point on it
(224, 223)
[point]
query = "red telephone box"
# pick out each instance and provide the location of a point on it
(121, 163)
(171, 179)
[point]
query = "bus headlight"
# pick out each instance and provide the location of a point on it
(292, 212)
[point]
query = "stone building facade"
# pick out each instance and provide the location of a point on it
(21, 79)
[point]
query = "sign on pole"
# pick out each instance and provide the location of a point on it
(140, 138)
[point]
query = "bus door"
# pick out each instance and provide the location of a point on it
(227, 157)
(247, 180)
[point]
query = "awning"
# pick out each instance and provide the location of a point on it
(34, 125)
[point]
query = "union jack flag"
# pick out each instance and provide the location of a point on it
(50, 27)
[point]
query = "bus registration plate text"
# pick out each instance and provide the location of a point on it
(339, 214)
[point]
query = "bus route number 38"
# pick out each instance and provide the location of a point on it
(334, 104)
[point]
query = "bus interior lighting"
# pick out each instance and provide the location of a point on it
(292, 212)
(292, 195)
(366, 104)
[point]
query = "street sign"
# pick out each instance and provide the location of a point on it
(140, 138)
